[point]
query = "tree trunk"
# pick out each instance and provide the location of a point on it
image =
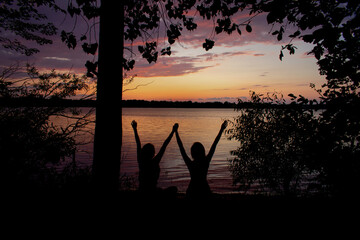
(108, 127)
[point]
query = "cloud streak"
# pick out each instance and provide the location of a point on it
(57, 58)
(169, 67)
(179, 66)
(217, 99)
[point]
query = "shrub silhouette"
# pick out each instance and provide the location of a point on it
(31, 146)
(274, 142)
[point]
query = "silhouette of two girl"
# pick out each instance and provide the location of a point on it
(149, 168)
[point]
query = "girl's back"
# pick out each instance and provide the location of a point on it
(149, 172)
(198, 186)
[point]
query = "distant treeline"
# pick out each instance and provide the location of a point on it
(36, 102)
(176, 104)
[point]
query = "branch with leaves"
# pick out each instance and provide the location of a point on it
(50, 85)
(32, 139)
(23, 19)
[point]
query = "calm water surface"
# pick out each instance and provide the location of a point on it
(154, 126)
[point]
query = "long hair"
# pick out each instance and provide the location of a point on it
(148, 151)
(197, 151)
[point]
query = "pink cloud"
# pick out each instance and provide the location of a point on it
(168, 66)
(178, 66)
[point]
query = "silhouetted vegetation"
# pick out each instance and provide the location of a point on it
(35, 153)
(23, 19)
(274, 145)
(296, 151)
(37, 102)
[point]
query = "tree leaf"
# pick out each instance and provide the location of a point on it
(292, 96)
(90, 48)
(295, 34)
(308, 38)
(209, 44)
(189, 24)
(69, 38)
(271, 17)
(141, 49)
(91, 68)
(238, 30)
(281, 55)
(218, 29)
(248, 28)
(166, 51)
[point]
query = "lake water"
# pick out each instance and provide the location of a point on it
(154, 126)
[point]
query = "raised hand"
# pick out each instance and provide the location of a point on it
(134, 124)
(175, 127)
(224, 124)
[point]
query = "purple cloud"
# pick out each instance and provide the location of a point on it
(168, 66)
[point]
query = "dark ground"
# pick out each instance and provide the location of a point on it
(130, 215)
(132, 204)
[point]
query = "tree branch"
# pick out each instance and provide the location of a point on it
(140, 85)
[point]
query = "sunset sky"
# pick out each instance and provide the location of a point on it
(233, 67)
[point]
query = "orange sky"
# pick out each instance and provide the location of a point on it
(228, 71)
(225, 74)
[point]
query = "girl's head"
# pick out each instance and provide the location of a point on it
(197, 151)
(148, 151)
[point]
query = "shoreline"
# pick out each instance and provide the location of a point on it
(37, 102)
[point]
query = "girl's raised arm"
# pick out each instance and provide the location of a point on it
(166, 142)
(187, 160)
(137, 138)
(213, 147)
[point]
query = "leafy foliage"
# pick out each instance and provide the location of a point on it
(274, 140)
(148, 52)
(282, 144)
(208, 44)
(335, 38)
(175, 18)
(31, 146)
(69, 38)
(40, 85)
(23, 19)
